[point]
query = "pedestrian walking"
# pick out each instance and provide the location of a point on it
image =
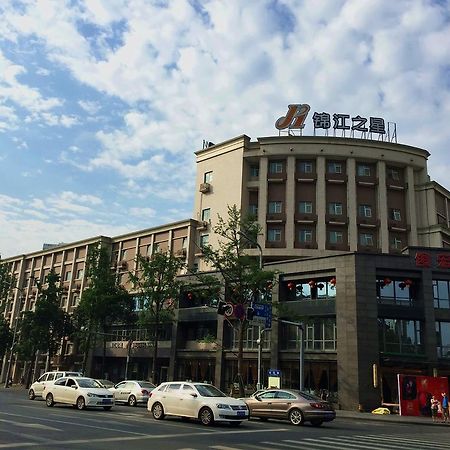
(434, 408)
(445, 417)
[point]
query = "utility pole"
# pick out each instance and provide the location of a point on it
(260, 344)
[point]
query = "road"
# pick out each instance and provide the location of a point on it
(30, 424)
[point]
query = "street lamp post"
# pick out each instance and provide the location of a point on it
(260, 344)
(129, 345)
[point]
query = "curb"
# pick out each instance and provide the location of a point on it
(392, 418)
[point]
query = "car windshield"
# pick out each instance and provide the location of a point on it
(87, 383)
(105, 383)
(307, 396)
(206, 390)
(147, 385)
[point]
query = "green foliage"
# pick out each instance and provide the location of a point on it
(7, 283)
(5, 336)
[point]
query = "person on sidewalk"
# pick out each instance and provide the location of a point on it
(445, 417)
(434, 408)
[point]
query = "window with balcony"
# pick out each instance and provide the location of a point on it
(320, 335)
(366, 239)
(206, 214)
(274, 235)
(254, 171)
(207, 177)
(443, 339)
(396, 291)
(396, 214)
(400, 336)
(275, 207)
(335, 209)
(334, 167)
(336, 237)
(305, 166)
(305, 207)
(363, 170)
(365, 211)
(305, 236)
(314, 289)
(393, 174)
(68, 275)
(441, 294)
(275, 167)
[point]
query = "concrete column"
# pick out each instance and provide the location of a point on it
(411, 214)
(321, 204)
(290, 202)
(352, 207)
(262, 199)
(220, 360)
(382, 207)
(173, 347)
(429, 333)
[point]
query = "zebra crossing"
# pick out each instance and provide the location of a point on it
(353, 442)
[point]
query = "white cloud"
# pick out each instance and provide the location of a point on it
(90, 106)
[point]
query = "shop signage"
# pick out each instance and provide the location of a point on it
(134, 344)
(426, 260)
(296, 115)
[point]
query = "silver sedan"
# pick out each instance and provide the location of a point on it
(132, 392)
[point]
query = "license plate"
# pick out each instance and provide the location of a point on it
(241, 413)
(107, 400)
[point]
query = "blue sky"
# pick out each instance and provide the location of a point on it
(103, 102)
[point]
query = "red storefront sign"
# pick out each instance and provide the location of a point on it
(415, 393)
(424, 259)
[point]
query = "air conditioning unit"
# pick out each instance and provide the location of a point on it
(202, 225)
(205, 188)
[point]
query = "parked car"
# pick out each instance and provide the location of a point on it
(105, 383)
(298, 407)
(196, 400)
(132, 392)
(81, 392)
(37, 387)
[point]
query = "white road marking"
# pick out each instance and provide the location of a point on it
(30, 425)
(19, 444)
(396, 440)
(279, 444)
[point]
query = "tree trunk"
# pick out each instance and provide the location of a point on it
(240, 360)
(155, 357)
(86, 353)
(104, 356)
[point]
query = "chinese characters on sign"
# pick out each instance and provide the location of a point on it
(296, 116)
(425, 260)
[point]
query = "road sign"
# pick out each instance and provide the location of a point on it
(274, 373)
(262, 315)
(229, 310)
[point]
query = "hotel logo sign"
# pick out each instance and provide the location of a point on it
(295, 119)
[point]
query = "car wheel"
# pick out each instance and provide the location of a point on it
(81, 403)
(31, 394)
(235, 424)
(206, 416)
(296, 417)
(316, 423)
(132, 400)
(158, 411)
(107, 408)
(49, 400)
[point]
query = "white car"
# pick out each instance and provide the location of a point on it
(196, 400)
(78, 391)
(132, 392)
(37, 388)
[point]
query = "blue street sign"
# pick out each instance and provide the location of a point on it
(274, 373)
(262, 314)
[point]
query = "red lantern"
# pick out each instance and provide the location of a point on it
(408, 282)
(312, 283)
(269, 286)
(333, 282)
(387, 281)
(291, 286)
(189, 296)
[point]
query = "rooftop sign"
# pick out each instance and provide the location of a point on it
(295, 118)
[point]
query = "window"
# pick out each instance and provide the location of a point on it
(396, 291)
(74, 301)
(305, 236)
(334, 167)
(366, 239)
(363, 170)
(51, 377)
(365, 210)
(396, 215)
(400, 336)
(206, 214)
(275, 207)
(305, 167)
(80, 273)
(124, 253)
(275, 167)
(315, 289)
(274, 235)
(335, 209)
(253, 210)
(254, 171)
(204, 239)
(336, 237)
(156, 247)
(396, 243)
(68, 276)
(393, 174)
(285, 395)
(207, 177)
(251, 336)
(441, 294)
(305, 207)
(60, 382)
(188, 389)
(320, 335)
(443, 339)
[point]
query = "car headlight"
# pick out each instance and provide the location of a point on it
(89, 394)
(223, 406)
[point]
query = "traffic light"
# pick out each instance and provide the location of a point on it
(250, 313)
(221, 308)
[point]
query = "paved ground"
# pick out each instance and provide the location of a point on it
(30, 424)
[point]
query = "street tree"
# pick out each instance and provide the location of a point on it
(7, 283)
(103, 303)
(243, 277)
(157, 289)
